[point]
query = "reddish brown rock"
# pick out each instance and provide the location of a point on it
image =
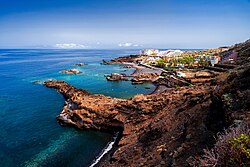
(145, 77)
(80, 64)
(153, 126)
(121, 60)
(117, 77)
(86, 111)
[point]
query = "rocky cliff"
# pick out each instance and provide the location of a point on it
(167, 129)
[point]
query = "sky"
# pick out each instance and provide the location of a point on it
(93, 24)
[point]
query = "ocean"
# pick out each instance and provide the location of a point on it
(30, 135)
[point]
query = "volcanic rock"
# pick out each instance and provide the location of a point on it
(117, 77)
(80, 64)
(128, 66)
(145, 77)
(122, 60)
(71, 71)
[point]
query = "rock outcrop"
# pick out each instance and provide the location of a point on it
(171, 81)
(121, 60)
(80, 64)
(86, 111)
(117, 77)
(71, 71)
(145, 77)
(128, 66)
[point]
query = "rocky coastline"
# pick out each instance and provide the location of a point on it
(170, 128)
(162, 79)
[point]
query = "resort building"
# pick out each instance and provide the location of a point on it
(149, 52)
(150, 60)
(214, 60)
(170, 53)
(225, 48)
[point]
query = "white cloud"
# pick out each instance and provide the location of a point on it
(70, 46)
(128, 44)
(125, 44)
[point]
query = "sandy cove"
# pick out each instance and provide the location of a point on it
(140, 75)
(145, 70)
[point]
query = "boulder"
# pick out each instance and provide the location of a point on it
(71, 71)
(80, 64)
(117, 77)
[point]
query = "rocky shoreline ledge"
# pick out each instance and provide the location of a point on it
(167, 129)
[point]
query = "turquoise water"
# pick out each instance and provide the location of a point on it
(29, 132)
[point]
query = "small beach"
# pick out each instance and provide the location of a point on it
(139, 69)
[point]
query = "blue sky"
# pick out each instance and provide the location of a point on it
(123, 23)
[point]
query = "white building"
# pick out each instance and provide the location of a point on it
(152, 58)
(149, 52)
(214, 60)
(170, 53)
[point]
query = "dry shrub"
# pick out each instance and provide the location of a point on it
(232, 149)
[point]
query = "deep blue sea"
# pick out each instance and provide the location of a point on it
(29, 133)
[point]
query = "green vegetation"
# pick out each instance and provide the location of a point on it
(173, 62)
(168, 68)
(189, 60)
(161, 63)
(241, 146)
(186, 59)
(203, 62)
(231, 149)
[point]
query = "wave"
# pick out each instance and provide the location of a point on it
(108, 147)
